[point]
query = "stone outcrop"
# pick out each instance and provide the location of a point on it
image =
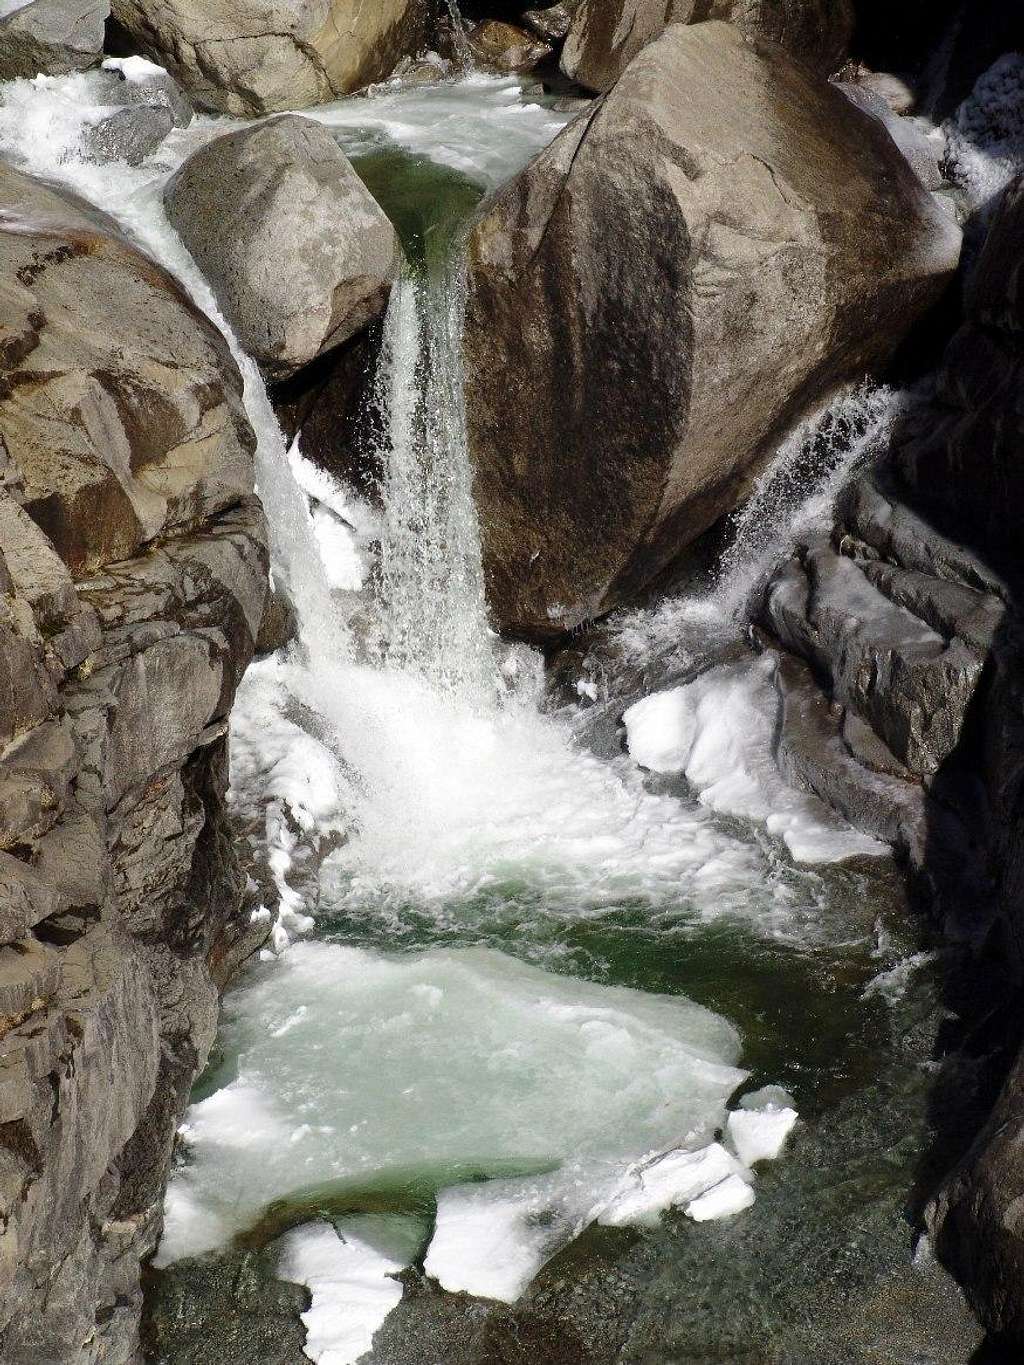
(504, 47)
(902, 637)
(51, 37)
(605, 35)
(133, 577)
(252, 57)
(687, 268)
(298, 252)
(551, 24)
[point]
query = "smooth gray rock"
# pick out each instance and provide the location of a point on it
(685, 270)
(253, 57)
(51, 37)
(297, 250)
(128, 134)
(605, 35)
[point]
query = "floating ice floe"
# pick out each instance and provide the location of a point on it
(527, 1104)
(758, 1129)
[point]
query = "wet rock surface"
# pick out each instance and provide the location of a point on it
(682, 216)
(132, 583)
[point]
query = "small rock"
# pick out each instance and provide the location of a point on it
(297, 250)
(134, 80)
(503, 47)
(551, 24)
(128, 134)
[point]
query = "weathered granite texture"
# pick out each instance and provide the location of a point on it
(133, 578)
(903, 638)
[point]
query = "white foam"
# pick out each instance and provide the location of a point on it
(719, 731)
(352, 1288)
(986, 134)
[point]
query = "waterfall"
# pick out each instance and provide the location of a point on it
(793, 496)
(433, 614)
(460, 44)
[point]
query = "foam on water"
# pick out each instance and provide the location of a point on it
(986, 134)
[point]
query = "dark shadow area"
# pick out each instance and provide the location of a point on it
(956, 459)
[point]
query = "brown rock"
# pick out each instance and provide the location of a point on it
(658, 295)
(606, 35)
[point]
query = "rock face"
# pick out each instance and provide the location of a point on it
(503, 47)
(923, 149)
(252, 57)
(298, 251)
(687, 267)
(605, 35)
(132, 584)
(902, 633)
(51, 37)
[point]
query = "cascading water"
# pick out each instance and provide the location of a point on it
(433, 615)
(508, 927)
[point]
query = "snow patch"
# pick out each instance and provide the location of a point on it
(351, 1286)
(719, 731)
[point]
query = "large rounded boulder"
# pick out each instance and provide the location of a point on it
(691, 265)
(252, 57)
(605, 35)
(298, 252)
(50, 37)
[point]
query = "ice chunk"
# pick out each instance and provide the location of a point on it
(416, 1074)
(675, 1179)
(729, 1196)
(719, 731)
(351, 1285)
(758, 1129)
(490, 1240)
(134, 68)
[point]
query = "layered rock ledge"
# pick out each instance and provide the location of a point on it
(133, 579)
